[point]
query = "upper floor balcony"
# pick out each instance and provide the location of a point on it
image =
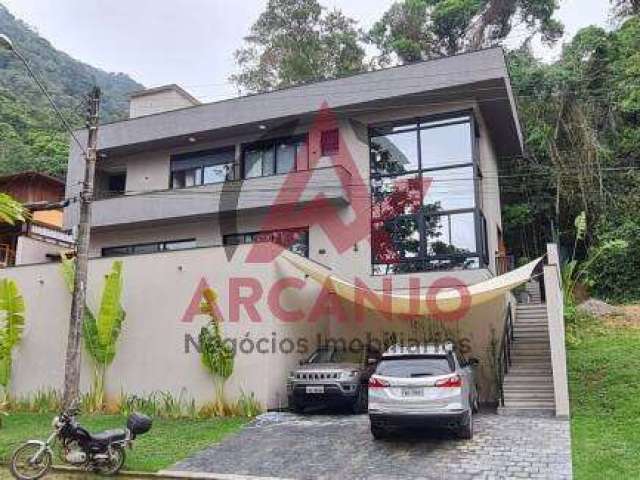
(251, 194)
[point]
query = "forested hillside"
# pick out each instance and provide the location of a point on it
(580, 179)
(30, 135)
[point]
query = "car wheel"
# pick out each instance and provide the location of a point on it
(295, 407)
(361, 403)
(378, 431)
(474, 402)
(466, 429)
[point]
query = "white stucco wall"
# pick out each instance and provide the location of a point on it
(156, 102)
(32, 250)
(151, 350)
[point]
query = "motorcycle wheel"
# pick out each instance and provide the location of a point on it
(117, 461)
(23, 468)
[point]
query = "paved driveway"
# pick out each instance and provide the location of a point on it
(340, 447)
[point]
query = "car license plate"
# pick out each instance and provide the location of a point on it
(315, 389)
(412, 392)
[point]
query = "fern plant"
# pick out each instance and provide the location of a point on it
(100, 333)
(217, 356)
(12, 315)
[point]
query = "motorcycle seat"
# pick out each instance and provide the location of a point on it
(109, 436)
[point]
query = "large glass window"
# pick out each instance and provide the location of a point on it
(202, 168)
(424, 187)
(294, 239)
(152, 247)
(273, 157)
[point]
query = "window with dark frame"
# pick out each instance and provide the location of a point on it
(295, 240)
(424, 189)
(273, 157)
(117, 183)
(202, 168)
(151, 247)
(330, 142)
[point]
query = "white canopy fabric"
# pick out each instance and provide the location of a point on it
(444, 299)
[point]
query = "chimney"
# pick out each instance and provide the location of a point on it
(159, 99)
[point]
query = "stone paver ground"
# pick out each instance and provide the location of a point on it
(341, 447)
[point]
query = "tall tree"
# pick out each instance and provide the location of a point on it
(296, 41)
(580, 118)
(624, 8)
(419, 29)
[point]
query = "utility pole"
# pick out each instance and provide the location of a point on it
(73, 358)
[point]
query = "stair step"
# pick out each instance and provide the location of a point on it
(526, 350)
(532, 394)
(531, 347)
(541, 371)
(529, 337)
(530, 361)
(528, 387)
(532, 404)
(527, 412)
(528, 379)
(533, 334)
(534, 351)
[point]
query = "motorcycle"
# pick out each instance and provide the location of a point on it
(102, 453)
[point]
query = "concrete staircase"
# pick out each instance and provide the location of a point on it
(528, 386)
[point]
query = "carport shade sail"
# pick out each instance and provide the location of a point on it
(443, 299)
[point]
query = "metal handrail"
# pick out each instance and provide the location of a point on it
(504, 353)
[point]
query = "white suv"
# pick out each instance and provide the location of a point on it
(423, 385)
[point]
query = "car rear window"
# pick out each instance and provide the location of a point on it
(410, 367)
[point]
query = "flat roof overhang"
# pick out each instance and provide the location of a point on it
(478, 76)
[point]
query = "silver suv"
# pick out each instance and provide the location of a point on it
(332, 376)
(425, 385)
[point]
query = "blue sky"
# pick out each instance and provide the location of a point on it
(191, 42)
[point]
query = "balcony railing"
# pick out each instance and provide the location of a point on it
(332, 183)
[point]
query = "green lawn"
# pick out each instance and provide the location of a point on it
(604, 377)
(168, 441)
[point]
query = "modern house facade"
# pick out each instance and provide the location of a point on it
(206, 175)
(387, 181)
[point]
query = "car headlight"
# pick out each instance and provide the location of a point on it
(350, 374)
(292, 376)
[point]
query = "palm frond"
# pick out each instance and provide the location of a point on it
(12, 322)
(110, 313)
(12, 306)
(11, 211)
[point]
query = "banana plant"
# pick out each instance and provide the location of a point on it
(101, 333)
(12, 316)
(11, 211)
(216, 355)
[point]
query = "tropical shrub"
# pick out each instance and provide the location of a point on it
(614, 276)
(100, 333)
(216, 355)
(12, 315)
